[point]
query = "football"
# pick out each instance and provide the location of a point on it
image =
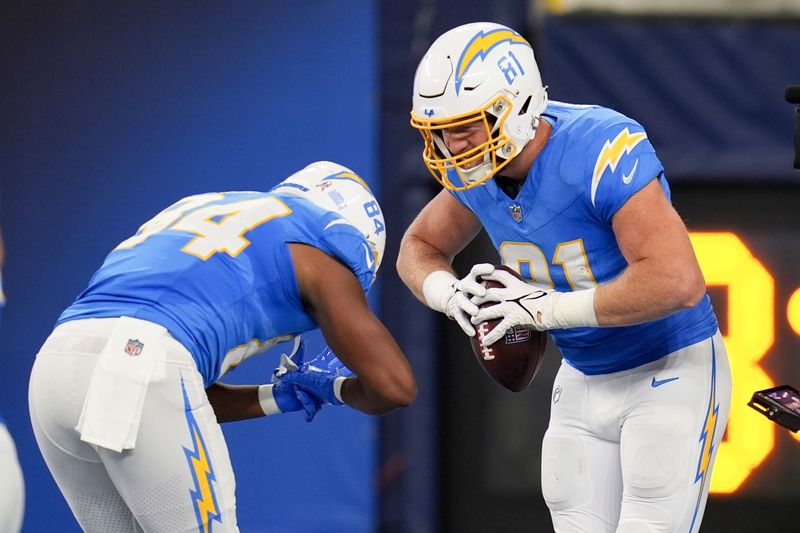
(513, 360)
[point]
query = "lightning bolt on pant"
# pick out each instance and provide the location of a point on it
(178, 476)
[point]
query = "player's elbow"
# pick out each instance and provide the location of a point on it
(400, 391)
(393, 391)
(690, 290)
(405, 393)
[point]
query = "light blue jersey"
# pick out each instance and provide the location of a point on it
(557, 231)
(216, 272)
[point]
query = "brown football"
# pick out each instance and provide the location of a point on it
(513, 360)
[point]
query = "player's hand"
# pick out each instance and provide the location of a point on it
(451, 296)
(313, 383)
(289, 398)
(519, 304)
(327, 361)
(320, 385)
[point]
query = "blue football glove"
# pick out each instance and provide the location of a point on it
(322, 385)
(328, 362)
(320, 377)
(289, 397)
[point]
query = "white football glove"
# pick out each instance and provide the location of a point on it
(449, 295)
(521, 304)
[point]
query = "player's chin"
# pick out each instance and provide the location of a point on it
(471, 164)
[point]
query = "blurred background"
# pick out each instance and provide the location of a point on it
(109, 112)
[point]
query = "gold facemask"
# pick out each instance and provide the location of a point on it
(476, 165)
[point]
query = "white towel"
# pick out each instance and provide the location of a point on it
(112, 409)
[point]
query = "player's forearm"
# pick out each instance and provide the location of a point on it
(416, 259)
(234, 402)
(648, 290)
(383, 379)
(359, 397)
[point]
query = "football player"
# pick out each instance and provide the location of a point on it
(12, 487)
(124, 394)
(576, 201)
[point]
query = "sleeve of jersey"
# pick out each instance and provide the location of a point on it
(352, 249)
(623, 161)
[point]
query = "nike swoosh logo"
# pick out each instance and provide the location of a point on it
(656, 383)
(369, 256)
(628, 178)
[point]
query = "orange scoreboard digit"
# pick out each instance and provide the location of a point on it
(750, 315)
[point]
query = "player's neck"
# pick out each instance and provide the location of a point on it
(519, 167)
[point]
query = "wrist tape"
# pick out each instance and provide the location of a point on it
(575, 309)
(267, 400)
(337, 387)
(438, 288)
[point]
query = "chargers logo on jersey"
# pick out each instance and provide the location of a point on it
(205, 500)
(479, 47)
(612, 153)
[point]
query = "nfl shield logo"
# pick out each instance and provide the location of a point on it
(515, 335)
(516, 212)
(134, 347)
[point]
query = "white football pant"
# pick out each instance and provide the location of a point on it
(632, 451)
(178, 477)
(12, 488)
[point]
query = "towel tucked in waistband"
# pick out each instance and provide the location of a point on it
(114, 400)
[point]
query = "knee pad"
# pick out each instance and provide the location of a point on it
(565, 478)
(655, 454)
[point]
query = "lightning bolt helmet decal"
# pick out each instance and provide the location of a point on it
(479, 47)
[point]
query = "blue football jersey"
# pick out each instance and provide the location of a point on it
(557, 231)
(216, 272)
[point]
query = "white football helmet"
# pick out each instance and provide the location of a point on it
(477, 72)
(336, 188)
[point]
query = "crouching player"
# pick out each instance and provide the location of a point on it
(127, 381)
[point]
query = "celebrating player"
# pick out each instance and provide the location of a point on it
(576, 201)
(124, 397)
